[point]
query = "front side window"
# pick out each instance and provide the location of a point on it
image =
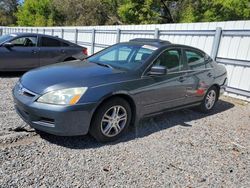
(195, 60)
(49, 42)
(124, 56)
(171, 59)
(25, 42)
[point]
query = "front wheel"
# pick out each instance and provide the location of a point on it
(209, 100)
(111, 120)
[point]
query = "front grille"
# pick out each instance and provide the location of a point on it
(28, 94)
(25, 92)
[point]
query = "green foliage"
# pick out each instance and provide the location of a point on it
(140, 12)
(87, 12)
(104, 12)
(37, 13)
(7, 11)
(213, 10)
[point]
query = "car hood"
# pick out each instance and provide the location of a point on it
(69, 74)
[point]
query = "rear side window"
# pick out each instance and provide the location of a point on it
(195, 60)
(49, 42)
(171, 59)
(64, 44)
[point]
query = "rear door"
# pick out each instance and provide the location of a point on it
(51, 51)
(23, 55)
(166, 91)
(200, 74)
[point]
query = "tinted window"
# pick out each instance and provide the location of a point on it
(195, 60)
(171, 59)
(64, 44)
(49, 42)
(25, 42)
(124, 56)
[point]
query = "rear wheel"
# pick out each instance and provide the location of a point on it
(111, 120)
(209, 100)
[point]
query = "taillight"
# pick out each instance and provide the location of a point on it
(85, 51)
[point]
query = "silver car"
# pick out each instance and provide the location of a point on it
(25, 51)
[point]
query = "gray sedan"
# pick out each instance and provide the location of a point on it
(24, 51)
(116, 87)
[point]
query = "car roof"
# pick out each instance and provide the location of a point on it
(153, 42)
(33, 34)
(159, 43)
(43, 35)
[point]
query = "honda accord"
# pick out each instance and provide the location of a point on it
(109, 91)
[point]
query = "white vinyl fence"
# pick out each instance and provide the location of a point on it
(227, 42)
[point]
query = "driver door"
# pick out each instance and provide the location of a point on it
(23, 55)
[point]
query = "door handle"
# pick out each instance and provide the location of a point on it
(182, 79)
(63, 51)
(34, 51)
(209, 74)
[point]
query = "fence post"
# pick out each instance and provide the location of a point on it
(157, 33)
(76, 36)
(93, 42)
(1, 31)
(62, 33)
(216, 43)
(52, 32)
(118, 35)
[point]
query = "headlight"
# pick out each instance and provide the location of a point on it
(63, 97)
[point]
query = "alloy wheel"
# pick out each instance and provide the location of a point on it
(210, 99)
(114, 121)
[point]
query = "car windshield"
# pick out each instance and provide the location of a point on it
(5, 38)
(123, 56)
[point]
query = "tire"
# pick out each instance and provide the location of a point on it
(207, 104)
(111, 120)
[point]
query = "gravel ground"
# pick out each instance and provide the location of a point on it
(183, 149)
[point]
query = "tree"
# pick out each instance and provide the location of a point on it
(140, 12)
(7, 12)
(38, 13)
(87, 12)
(213, 10)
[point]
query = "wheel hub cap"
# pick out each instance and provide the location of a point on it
(210, 99)
(114, 121)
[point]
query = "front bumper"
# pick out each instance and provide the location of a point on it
(54, 119)
(223, 87)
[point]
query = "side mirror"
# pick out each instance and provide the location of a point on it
(158, 70)
(8, 45)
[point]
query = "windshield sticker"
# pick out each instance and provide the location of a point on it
(149, 47)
